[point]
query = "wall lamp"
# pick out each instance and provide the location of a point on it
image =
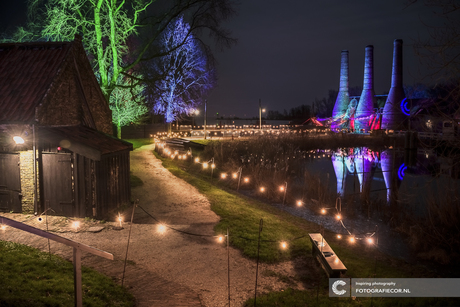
(18, 140)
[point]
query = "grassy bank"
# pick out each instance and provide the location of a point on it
(34, 278)
(241, 215)
(139, 142)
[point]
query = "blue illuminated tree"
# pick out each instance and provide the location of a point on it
(184, 75)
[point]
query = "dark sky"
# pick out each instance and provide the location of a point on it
(288, 52)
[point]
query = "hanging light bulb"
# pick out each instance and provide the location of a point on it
(76, 224)
(161, 228)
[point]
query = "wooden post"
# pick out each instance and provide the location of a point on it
(77, 276)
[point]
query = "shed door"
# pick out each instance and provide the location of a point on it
(57, 183)
(10, 183)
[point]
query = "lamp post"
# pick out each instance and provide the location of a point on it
(260, 114)
(196, 112)
(205, 115)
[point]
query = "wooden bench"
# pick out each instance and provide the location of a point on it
(326, 256)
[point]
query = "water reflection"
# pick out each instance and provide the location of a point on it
(384, 171)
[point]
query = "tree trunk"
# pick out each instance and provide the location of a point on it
(119, 132)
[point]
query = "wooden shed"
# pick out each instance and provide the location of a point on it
(53, 113)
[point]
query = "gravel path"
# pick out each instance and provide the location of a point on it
(169, 269)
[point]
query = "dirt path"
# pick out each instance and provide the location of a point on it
(169, 269)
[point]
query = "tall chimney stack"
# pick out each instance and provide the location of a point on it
(366, 101)
(393, 117)
(343, 97)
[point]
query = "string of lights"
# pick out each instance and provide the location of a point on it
(282, 188)
(161, 228)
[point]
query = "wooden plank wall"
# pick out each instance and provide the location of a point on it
(113, 184)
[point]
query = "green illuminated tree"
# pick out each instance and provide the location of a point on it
(128, 31)
(127, 103)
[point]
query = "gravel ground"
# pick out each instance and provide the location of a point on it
(169, 269)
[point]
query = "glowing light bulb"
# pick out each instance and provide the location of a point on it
(223, 175)
(18, 140)
(197, 160)
(299, 203)
(338, 217)
(161, 228)
(235, 175)
(246, 179)
(262, 189)
(213, 165)
(352, 239)
(283, 245)
(339, 236)
(3, 227)
(281, 188)
(323, 211)
(205, 165)
(220, 239)
(370, 240)
(76, 224)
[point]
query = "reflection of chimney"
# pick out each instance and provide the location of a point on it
(392, 112)
(340, 169)
(363, 167)
(343, 97)
(390, 163)
(366, 101)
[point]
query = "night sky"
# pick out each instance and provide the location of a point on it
(288, 52)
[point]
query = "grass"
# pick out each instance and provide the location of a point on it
(202, 142)
(34, 278)
(320, 298)
(241, 215)
(140, 142)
